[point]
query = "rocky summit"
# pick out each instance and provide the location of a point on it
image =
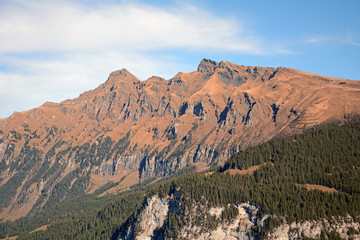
(127, 130)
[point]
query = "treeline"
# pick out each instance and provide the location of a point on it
(328, 156)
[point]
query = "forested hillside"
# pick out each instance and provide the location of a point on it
(327, 156)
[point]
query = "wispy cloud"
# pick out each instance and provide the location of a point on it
(348, 38)
(352, 39)
(316, 39)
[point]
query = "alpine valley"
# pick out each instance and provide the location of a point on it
(225, 152)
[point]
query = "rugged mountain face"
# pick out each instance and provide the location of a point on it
(127, 130)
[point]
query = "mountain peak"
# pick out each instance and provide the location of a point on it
(122, 72)
(155, 78)
(207, 66)
(122, 75)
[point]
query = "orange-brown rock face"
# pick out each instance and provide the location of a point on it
(127, 129)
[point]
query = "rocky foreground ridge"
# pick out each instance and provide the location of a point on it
(128, 130)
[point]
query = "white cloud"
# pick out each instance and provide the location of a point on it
(33, 26)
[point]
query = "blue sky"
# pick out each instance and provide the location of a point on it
(54, 50)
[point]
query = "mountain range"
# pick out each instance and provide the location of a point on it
(128, 131)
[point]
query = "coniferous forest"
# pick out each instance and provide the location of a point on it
(326, 155)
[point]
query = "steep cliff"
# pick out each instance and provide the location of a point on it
(128, 130)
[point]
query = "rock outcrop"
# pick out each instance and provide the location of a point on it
(150, 220)
(238, 228)
(157, 211)
(313, 229)
(128, 130)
